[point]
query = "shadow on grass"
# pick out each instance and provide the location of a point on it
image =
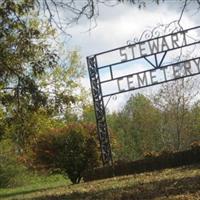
(28, 191)
(189, 167)
(163, 188)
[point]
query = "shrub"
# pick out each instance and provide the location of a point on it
(153, 162)
(195, 145)
(150, 154)
(71, 150)
(5, 173)
(9, 172)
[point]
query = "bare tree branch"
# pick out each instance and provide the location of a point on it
(64, 13)
(182, 11)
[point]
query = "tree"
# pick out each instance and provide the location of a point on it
(24, 53)
(2, 123)
(27, 62)
(88, 113)
(24, 56)
(63, 83)
(71, 149)
(175, 100)
(137, 126)
(193, 134)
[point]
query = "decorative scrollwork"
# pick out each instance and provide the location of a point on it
(160, 30)
(146, 35)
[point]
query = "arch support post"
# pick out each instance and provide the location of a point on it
(99, 108)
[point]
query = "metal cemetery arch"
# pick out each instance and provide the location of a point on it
(151, 46)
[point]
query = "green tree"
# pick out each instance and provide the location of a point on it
(63, 83)
(25, 55)
(175, 101)
(88, 113)
(194, 125)
(2, 123)
(137, 126)
(32, 76)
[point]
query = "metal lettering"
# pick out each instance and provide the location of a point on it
(152, 77)
(142, 80)
(129, 81)
(176, 71)
(164, 44)
(142, 49)
(187, 68)
(149, 77)
(164, 72)
(184, 38)
(154, 46)
(197, 63)
(118, 84)
(174, 38)
(123, 54)
(132, 50)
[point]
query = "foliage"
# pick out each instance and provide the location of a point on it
(5, 174)
(177, 120)
(63, 83)
(9, 172)
(2, 123)
(71, 149)
(167, 120)
(136, 127)
(195, 145)
(193, 124)
(25, 55)
(35, 84)
(153, 161)
(89, 113)
(16, 178)
(34, 80)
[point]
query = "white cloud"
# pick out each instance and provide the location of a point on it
(117, 25)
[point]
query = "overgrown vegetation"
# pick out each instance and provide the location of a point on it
(14, 174)
(69, 150)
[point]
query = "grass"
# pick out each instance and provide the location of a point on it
(35, 183)
(177, 184)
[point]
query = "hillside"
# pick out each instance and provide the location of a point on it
(177, 183)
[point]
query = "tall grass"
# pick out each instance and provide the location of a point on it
(17, 179)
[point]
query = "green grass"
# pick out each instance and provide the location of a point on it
(34, 183)
(179, 183)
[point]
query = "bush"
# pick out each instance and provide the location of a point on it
(152, 162)
(9, 171)
(195, 145)
(5, 173)
(70, 150)
(150, 154)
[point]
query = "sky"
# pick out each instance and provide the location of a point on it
(118, 24)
